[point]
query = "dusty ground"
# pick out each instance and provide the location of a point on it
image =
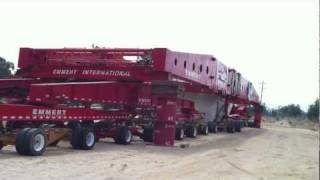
(273, 152)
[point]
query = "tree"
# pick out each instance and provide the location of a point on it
(5, 68)
(290, 110)
(274, 112)
(313, 111)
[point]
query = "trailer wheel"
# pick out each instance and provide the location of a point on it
(231, 128)
(83, 138)
(215, 128)
(123, 135)
(210, 126)
(251, 124)
(238, 126)
(1, 145)
(179, 133)
(19, 141)
(204, 129)
(147, 134)
(75, 140)
(34, 142)
(88, 139)
(192, 131)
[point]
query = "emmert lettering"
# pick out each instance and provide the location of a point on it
(64, 71)
(91, 72)
(49, 112)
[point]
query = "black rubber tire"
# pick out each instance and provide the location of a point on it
(29, 148)
(147, 134)
(19, 141)
(75, 140)
(210, 126)
(231, 128)
(204, 129)
(79, 138)
(192, 131)
(84, 134)
(123, 135)
(215, 128)
(251, 124)
(238, 126)
(179, 133)
(1, 145)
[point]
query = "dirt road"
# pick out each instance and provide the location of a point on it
(269, 153)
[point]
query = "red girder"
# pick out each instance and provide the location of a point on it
(126, 93)
(29, 57)
(110, 64)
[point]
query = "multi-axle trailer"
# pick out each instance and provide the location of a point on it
(82, 95)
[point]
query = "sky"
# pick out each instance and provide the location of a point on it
(275, 41)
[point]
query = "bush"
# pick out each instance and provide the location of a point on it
(5, 68)
(313, 111)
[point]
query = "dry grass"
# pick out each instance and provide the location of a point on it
(292, 123)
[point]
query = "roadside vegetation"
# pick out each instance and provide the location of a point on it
(293, 116)
(6, 68)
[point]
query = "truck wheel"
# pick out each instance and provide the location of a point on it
(250, 124)
(75, 140)
(83, 138)
(192, 131)
(231, 128)
(88, 139)
(179, 133)
(123, 135)
(35, 142)
(210, 126)
(147, 134)
(215, 128)
(204, 129)
(19, 141)
(238, 127)
(1, 145)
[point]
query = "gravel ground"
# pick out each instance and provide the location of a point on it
(273, 152)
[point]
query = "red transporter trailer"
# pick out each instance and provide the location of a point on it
(87, 94)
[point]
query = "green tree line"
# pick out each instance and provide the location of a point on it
(295, 111)
(313, 111)
(6, 68)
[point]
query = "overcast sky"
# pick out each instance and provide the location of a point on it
(275, 41)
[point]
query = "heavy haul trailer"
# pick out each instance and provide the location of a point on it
(86, 94)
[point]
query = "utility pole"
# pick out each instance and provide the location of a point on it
(262, 87)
